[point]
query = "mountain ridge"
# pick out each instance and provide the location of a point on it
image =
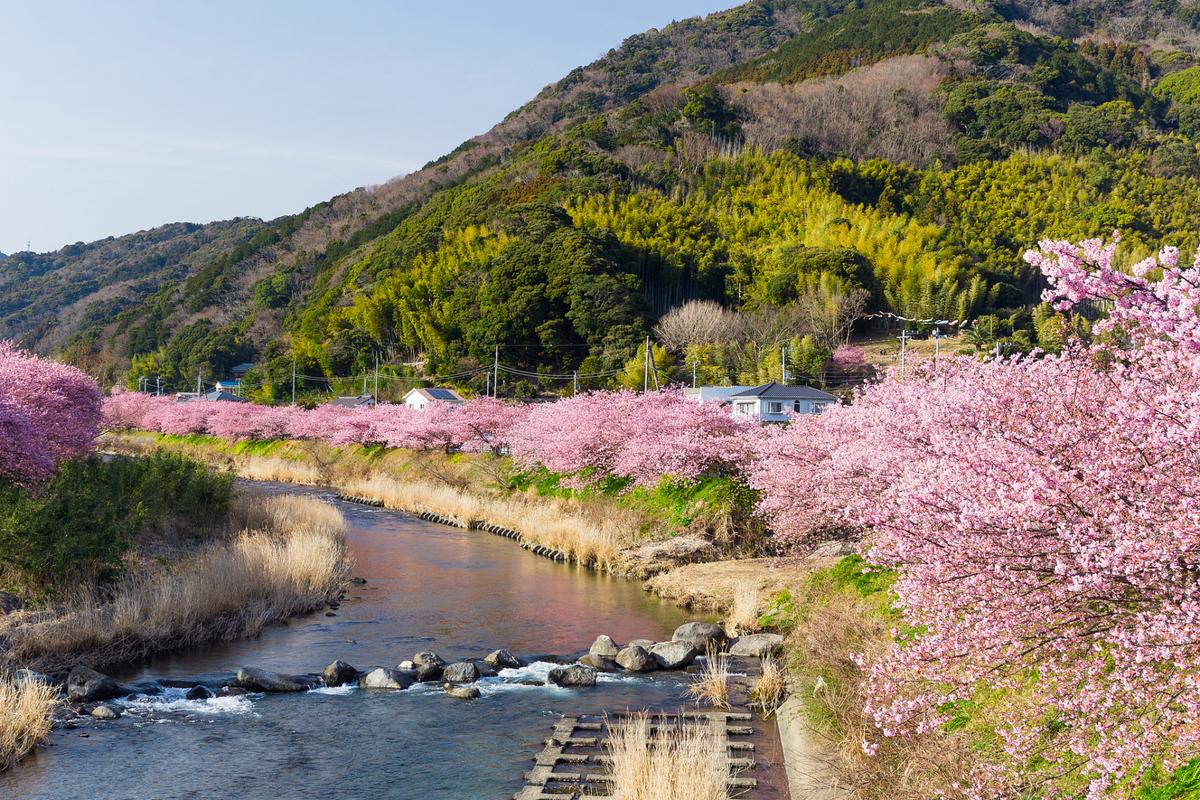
(904, 88)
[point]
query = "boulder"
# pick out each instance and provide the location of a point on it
(645, 644)
(85, 685)
(430, 671)
(636, 659)
(486, 670)
(385, 678)
(428, 657)
(461, 672)
(599, 663)
(408, 666)
(673, 655)
(655, 557)
(9, 603)
(701, 635)
(338, 673)
(231, 691)
(30, 676)
(574, 675)
(461, 692)
(103, 711)
(757, 645)
(199, 693)
(261, 680)
(604, 646)
(503, 659)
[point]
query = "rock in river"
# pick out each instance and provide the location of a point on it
(461, 692)
(430, 671)
(636, 659)
(428, 657)
(199, 693)
(105, 712)
(385, 678)
(604, 646)
(503, 659)
(673, 655)
(701, 635)
(574, 675)
(338, 673)
(85, 685)
(757, 645)
(261, 680)
(461, 672)
(599, 663)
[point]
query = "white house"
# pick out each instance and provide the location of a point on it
(775, 402)
(712, 394)
(418, 399)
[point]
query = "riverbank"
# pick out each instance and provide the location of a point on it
(615, 528)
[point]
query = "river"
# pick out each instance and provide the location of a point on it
(429, 587)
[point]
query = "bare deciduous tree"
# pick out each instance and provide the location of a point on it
(828, 314)
(696, 322)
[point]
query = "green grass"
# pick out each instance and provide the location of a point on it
(1184, 784)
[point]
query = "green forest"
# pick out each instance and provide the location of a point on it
(900, 151)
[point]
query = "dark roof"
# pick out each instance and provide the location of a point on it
(443, 394)
(354, 402)
(242, 368)
(225, 397)
(779, 391)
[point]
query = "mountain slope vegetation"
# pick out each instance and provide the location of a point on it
(907, 149)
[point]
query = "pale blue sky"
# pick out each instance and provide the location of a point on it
(118, 116)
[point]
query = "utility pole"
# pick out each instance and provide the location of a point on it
(646, 368)
(694, 363)
(574, 383)
(376, 377)
(199, 393)
(937, 343)
(293, 379)
(496, 373)
(487, 383)
(903, 351)
(783, 363)
(158, 386)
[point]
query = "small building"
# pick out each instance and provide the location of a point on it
(419, 399)
(361, 401)
(241, 369)
(186, 397)
(224, 397)
(233, 387)
(776, 402)
(712, 394)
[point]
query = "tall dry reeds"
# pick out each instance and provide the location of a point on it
(744, 610)
(26, 709)
(589, 539)
(711, 684)
(769, 690)
(666, 762)
(286, 556)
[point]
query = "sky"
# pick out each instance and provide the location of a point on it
(120, 116)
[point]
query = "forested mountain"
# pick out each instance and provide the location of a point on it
(780, 153)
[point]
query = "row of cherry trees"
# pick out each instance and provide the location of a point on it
(1042, 514)
(1043, 519)
(639, 436)
(49, 412)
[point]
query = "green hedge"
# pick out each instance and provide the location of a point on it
(85, 519)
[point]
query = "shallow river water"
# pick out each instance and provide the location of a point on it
(430, 587)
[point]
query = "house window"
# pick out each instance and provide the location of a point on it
(745, 408)
(796, 406)
(774, 407)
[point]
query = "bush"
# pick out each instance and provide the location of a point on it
(84, 520)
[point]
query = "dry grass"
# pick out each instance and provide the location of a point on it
(680, 762)
(25, 717)
(769, 691)
(278, 470)
(711, 684)
(590, 539)
(287, 557)
(742, 617)
(837, 624)
(712, 587)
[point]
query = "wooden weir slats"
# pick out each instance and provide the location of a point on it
(572, 766)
